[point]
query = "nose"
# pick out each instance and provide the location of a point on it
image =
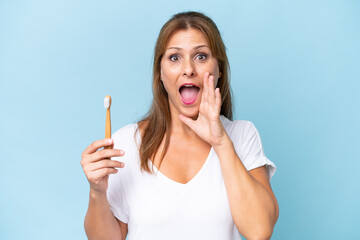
(189, 69)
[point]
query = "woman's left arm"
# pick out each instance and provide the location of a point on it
(253, 205)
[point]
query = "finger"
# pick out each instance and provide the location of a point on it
(94, 146)
(98, 174)
(104, 164)
(218, 99)
(188, 121)
(205, 88)
(103, 154)
(208, 89)
(211, 90)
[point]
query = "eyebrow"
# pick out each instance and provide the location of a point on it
(177, 48)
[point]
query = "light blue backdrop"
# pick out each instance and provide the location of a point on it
(295, 74)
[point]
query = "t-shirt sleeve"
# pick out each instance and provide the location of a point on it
(116, 197)
(250, 150)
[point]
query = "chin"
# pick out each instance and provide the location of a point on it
(191, 113)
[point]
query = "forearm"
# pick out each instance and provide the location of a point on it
(99, 222)
(252, 206)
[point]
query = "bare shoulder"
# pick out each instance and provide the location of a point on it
(123, 228)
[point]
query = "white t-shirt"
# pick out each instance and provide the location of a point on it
(158, 208)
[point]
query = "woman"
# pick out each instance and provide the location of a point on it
(187, 171)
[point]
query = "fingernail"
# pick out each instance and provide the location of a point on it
(122, 152)
(109, 141)
(122, 164)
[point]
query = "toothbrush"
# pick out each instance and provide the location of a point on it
(107, 104)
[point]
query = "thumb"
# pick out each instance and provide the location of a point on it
(188, 121)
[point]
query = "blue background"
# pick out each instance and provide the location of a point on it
(295, 73)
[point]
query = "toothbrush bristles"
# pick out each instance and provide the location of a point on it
(107, 102)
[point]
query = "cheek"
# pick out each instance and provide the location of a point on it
(165, 86)
(170, 72)
(166, 83)
(168, 76)
(212, 68)
(165, 73)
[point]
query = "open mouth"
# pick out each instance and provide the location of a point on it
(189, 93)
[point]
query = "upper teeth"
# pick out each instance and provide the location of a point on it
(188, 85)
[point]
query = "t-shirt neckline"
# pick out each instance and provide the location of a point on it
(163, 177)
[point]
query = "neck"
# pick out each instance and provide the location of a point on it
(179, 128)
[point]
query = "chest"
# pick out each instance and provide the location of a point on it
(183, 161)
(157, 203)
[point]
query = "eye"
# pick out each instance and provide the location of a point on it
(202, 56)
(174, 57)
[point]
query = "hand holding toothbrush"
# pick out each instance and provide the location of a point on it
(96, 163)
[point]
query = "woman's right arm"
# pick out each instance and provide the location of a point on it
(99, 222)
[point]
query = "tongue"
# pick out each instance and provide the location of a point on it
(189, 93)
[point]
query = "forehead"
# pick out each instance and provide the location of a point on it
(186, 37)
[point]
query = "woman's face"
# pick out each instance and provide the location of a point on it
(186, 60)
